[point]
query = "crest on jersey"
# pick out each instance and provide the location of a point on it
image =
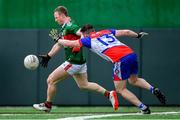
(69, 24)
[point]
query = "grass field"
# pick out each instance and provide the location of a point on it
(90, 113)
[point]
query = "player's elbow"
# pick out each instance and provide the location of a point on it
(75, 44)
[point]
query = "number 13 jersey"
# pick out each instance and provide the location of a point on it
(105, 44)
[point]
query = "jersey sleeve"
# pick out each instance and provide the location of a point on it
(85, 42)
(74, 28)
(113, 31)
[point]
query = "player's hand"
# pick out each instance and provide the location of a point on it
(44, 60)
(54, 35)
(141, 34)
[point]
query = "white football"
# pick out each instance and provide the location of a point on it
(31, 62)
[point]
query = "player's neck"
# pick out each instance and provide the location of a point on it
(67, 19)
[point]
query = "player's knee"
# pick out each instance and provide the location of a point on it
(50, 80)
(121, 90)
(132, 81)
(83, 86)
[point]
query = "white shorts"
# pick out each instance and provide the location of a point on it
(74, 68)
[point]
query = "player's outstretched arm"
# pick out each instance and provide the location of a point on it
(69, 43)
(54, 50)
(130, 33)
(44, 60)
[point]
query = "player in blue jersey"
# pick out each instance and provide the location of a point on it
(106, 45)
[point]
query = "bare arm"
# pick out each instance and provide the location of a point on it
(130, 33)
(54, 50)
(79, 32)
(69, 43)
(126, 33)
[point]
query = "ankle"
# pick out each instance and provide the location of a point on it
(48, 104)
(106, 94)
(152, 89)
(142, 106)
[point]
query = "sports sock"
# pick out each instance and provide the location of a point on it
(106, 94)
(152, 89)
(48, 104)
(142, 106)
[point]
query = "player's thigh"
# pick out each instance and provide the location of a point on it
(133, 78)
(120, 85)
(57, 75)
(81, 78)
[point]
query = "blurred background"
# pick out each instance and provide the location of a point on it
(24, 29)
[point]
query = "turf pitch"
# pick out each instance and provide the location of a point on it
(82, 113)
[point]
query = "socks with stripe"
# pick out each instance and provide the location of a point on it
(152, 89)
(142, 106)
(106, 94)
(48, 104)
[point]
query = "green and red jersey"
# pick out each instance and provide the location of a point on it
(73, 55)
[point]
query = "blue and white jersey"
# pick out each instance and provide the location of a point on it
(105, 44)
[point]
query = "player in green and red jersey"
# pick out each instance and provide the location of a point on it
(74, 65)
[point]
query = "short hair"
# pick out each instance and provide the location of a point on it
(88, 28)
(61, 10)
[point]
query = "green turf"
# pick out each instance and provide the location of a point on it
(61, 112)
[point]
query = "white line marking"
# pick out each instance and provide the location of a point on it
(110, 115)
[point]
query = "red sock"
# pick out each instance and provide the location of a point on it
(106, 94)
(48, 104)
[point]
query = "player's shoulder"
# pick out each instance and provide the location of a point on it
(71, 24)
(100, 33)
(106, 31)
